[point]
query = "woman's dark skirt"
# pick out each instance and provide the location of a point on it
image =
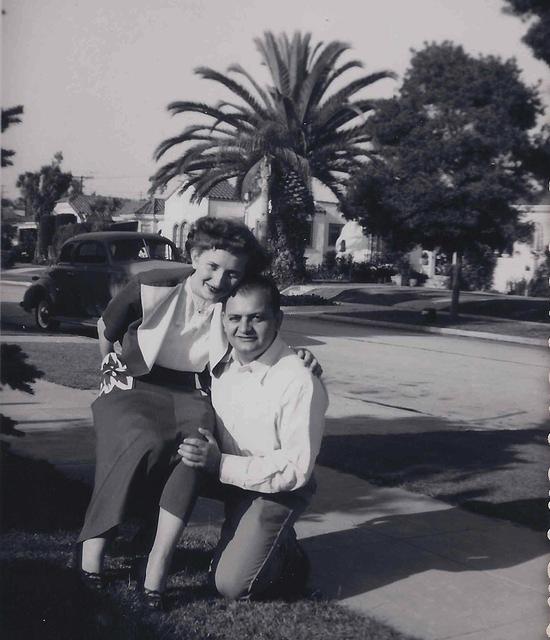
(138, 431)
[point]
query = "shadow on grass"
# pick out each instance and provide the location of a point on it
(34, 496)
(499, 473)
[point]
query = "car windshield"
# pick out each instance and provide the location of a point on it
(141, 249)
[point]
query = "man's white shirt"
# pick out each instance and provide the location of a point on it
(270, 418)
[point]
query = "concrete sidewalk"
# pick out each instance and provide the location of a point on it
(423, 566)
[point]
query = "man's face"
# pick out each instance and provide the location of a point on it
(250, 324)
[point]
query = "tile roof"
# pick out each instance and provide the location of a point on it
(154, 206)
(130, 207)
(224, 191)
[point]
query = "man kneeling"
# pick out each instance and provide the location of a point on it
(269, 424)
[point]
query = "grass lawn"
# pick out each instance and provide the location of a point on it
(41, 597)
(499, 473)
(71, 364)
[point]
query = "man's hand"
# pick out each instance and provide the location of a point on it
(201, 454)
(310, 361)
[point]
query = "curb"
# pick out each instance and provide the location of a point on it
(481, 335)
(21, 283)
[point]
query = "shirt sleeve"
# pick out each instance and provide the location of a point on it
(122, 310)
(301, 426)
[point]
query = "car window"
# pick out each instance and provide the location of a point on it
(90, 253)
(66, 252)
(141, 249)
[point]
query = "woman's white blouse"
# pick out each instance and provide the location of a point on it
(186, 343)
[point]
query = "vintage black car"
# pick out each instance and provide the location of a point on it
(91, 269)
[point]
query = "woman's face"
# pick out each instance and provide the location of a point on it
(217, 273)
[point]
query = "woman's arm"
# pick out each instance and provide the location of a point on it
(105, 346)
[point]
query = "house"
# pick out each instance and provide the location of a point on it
(180, 213)
(513, 271)
(146, 216)
(224, 201)
(25, 229)
(77, 206)
(518, 266)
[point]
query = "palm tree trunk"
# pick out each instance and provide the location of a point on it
(457, 268)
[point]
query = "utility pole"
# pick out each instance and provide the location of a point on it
(82, 178)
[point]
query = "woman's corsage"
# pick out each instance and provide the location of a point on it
(113, 374)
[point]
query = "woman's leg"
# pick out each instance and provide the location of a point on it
(176, 504)
(169, 530)
(93, 552)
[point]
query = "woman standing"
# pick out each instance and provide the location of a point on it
(154, 394)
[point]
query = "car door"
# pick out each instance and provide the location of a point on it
(63, 276)
(91, 281)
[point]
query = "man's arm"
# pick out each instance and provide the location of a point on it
(300, 430)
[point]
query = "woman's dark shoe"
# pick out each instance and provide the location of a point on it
(153, 600)
(94, 581)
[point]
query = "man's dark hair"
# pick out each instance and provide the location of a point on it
(230, 235)
(262, 283)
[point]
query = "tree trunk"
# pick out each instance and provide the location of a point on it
(288, 217)
(457, 268)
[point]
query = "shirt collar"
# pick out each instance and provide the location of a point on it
(261, 366)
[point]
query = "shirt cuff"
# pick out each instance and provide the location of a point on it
(233, 469)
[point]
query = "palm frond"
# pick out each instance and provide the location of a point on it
(232, 85)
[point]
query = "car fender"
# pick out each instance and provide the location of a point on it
(34, 293)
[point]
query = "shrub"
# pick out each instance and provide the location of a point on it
(477, 269)
(539, 285)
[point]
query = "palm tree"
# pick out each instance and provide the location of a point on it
(293, 128)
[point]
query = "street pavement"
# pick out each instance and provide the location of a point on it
(423, 566)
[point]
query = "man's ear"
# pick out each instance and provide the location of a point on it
(280, 316)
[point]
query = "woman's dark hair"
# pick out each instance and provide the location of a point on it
(231, 236)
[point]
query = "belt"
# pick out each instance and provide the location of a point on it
(171, 377)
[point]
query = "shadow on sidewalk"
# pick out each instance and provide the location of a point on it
(389, 549)
(498, 473)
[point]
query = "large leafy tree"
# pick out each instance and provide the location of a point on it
(451, 151)
(538, 34)
(290, 130)
(40, 191)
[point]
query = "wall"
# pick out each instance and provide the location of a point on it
(522, 263)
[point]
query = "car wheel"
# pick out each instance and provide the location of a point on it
(43, 316)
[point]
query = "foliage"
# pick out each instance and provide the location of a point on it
(10, 116)
(538, 34)
(478, 268)
(540, 284)
(295, 128)
(41, 190)
(103, 207)
(345, 269)
(450, 151)
(17, 373)
(66, 231)
(307, 299)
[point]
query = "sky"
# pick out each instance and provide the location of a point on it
(95, 76)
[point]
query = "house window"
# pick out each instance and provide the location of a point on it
(183, 235)
(334, 231)
(175, 234)
(538, 237)
(309, 234)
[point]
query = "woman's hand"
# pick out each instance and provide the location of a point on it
(201, 454)
(310, 361)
